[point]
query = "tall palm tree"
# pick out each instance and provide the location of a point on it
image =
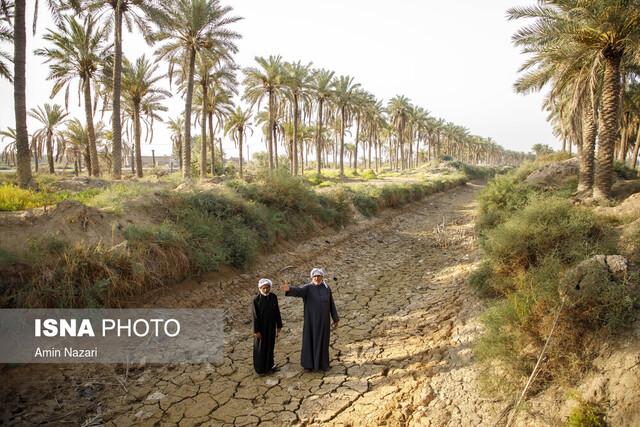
(189, 27)
(608, 28)
(238, 124)
(345, 98)
(215, 80)
(9, 152)
(51, 117)
(139, 86)
(265, 80)
(322, 93)
(77, 136)
(77, 53)
(399, 108)
(127, 11)
(176, 126)
(220, 107)
(297, 79)
(19, 78)
(19, 94)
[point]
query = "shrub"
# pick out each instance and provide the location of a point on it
(585, 414)
(547, 225)
(367, 205)
(499, 199)
(14, 198)
(624, 171)
(531, 240)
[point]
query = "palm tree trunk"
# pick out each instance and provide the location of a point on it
(589, 130)
(180, 152)
(213, 144)
(19, 95)
(116, 169)
(270, 131)
(50, 153)
(370, 144)
(186, 144)
(137, 132)
(608, 125)
(634, 157)
(624, 137)
(35, 155)
(203, 139)
(240, 132)
(93, 148)
(221, 154)
(295, 134)
(343, 116)
(319, 138)
(275, 147)
(355, 152)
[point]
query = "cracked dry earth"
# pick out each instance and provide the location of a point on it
(401, 354)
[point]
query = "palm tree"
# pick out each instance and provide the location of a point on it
(265, 80)
(176, 126)
(345, 98)
(399, 108)
(191, 26)
(19, 78)
(238, 124)
(297, 80)
(78, 136)
(322, 93)
(139, 85)
(77, 53)
(19, 93)
(216, 82)
(51, 117)
(126, 10)
(608, 28)
(9, 151)
(220, 106)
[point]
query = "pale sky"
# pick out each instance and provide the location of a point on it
(455, 59)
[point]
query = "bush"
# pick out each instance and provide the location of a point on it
(547, 225)
(531, 240)
(499, 199)
(14, 198)
(624, 171)
(367, 205)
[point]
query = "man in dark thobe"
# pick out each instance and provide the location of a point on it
(318, 306)
(266, 325)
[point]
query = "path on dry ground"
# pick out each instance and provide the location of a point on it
(400, 355)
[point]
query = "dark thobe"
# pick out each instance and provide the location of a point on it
(266, 319)
(318, 305)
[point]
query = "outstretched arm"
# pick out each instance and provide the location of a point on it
(293, 291)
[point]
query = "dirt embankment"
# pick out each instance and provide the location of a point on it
(402, 354)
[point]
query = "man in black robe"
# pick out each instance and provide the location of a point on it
(318, 306)
(266, 325)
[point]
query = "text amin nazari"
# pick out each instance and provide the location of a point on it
(66, 352)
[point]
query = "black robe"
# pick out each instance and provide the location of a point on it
(266, 319)
(318, 305)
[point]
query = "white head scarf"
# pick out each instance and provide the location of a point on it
(263, 282)
(319, 272)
